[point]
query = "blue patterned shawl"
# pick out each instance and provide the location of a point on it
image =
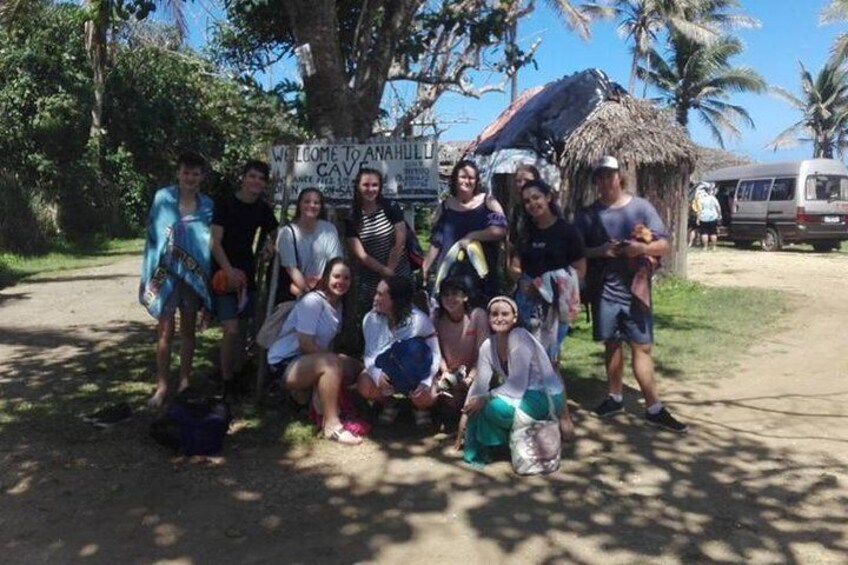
(176, 249)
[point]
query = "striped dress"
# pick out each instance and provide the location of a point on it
(377, 234)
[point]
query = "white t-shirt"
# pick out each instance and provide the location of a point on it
(379, 337)
(314, 250)
(312, 315)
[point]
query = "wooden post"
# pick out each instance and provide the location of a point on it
(275, 268)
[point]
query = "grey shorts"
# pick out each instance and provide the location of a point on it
(612, 321)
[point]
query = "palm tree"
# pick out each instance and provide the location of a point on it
(699, 77)
(836, 11)
(824, 112)
(642, 21)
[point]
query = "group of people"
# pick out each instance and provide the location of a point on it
(478, 353)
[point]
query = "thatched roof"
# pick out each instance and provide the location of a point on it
(710, 159)
(633, 130)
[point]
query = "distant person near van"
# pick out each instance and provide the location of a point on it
(624, 236)
(709, 215)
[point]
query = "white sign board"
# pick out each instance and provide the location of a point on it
(410, 167)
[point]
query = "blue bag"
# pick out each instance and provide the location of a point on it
(407, 362)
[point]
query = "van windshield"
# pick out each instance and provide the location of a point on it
(827, 187)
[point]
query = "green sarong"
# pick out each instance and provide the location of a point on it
(490, 427)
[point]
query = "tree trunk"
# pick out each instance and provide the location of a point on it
(330, 104)
(96, 36)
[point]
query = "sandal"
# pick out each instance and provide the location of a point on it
(344, 437)
(423, 420)
(389, 413)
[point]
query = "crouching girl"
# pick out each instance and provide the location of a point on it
(402, 353)
(513, 372)
(302, 356)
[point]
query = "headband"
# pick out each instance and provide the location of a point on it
(506, 299)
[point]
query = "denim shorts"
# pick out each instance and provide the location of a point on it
(612, 321)
(226, 306)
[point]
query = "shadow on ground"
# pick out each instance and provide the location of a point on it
(70, 491)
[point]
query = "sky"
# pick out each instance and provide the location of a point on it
(789, 33)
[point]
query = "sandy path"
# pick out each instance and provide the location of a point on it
(761, 478)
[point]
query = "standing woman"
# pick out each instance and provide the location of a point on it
(513, 372)
(308, 243)
(524, 173)
(376, 238)
(393, 322)
(467, 215)
(302, 357)
(549, 257)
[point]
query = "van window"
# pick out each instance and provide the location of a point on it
(753, 190)
(826, 187)
(783, 189)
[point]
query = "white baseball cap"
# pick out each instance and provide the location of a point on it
(606, 162)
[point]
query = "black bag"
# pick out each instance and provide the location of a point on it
(284, 281)
(195, 425)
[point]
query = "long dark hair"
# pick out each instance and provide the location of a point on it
(356, 207)
(527, 221)
(323, 284)
(322, 214)
(400, 291)
(455, 175)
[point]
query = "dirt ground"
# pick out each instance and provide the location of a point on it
(760, 478)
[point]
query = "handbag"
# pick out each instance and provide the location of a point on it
(535, 445)
(270, 329)
(407, 362)
(285, 282)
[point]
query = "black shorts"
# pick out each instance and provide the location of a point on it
(709, 228)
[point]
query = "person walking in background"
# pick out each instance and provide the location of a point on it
(709, 215)
(235, 222)
(176, 268)
(624, 235)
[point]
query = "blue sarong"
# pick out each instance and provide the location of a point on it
(177, 249)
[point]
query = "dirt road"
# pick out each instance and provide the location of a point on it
(762, 477)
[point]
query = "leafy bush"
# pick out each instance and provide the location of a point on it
(26, 221)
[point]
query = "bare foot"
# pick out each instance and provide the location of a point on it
(566, 428)
(158, 398)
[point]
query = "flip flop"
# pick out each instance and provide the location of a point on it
(344, 437)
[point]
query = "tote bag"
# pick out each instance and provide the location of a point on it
(535, 445)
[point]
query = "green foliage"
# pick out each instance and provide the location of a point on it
(700, 330)
(160, 102)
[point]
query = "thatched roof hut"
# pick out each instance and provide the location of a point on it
(655, 153)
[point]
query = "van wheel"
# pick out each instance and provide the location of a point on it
(771, 241)
(825, 246)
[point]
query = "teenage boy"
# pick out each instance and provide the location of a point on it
(618, 315)
(176, 267)
(237, 218)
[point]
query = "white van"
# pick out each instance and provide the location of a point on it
(788, 202)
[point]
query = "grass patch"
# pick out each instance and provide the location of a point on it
(699, 330)
(64, 256)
